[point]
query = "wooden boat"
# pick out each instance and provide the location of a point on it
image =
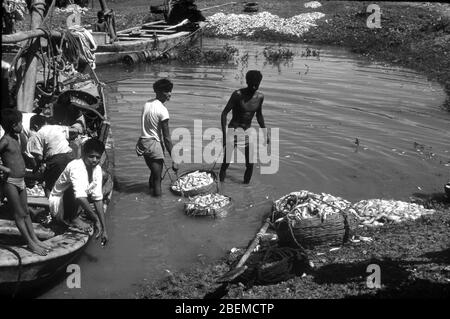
(151, 39)
(31, 270)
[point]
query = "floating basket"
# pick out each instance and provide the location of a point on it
(333, 229)
(194, 210)
(251, 7)
(211, 188)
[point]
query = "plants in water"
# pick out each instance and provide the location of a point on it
(195, 55)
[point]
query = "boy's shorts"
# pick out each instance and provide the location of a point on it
(149, 148)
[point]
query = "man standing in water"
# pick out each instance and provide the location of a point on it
(243, 103)
(155, 130)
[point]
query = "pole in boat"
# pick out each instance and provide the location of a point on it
(25, 94)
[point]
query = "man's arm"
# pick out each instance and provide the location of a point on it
(223, 117)
(168, 141)
(260, 118)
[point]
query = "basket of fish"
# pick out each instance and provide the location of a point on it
(195, 183)
(305, 219)
(213, 205)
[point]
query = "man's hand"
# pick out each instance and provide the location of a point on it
(174, 166)
(4, 173)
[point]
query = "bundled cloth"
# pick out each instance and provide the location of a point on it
(215, 205)
(377, 212)
(86, 42)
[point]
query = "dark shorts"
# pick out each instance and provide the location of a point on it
(55, 166)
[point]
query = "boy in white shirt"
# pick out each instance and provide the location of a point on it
(79, 185)
(155, 130)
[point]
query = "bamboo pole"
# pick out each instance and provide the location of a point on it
(25, 35)
(25, 95)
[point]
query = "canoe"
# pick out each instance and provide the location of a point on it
(30, 272)
(154, 37)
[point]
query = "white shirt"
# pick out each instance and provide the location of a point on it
(50, 140)
(153, 113)
(75, 174)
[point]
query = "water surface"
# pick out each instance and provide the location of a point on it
(320, 105)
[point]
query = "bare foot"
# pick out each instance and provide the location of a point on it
(77, 223)
(44, 245)
(37, 249)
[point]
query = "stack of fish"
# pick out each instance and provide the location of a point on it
(206, 205)
(377, 212)
(192, 181)
(304, 205)
(230, 25)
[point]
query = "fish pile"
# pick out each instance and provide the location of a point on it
(313, 4)
(206, 205)
(304, 205)
(229, 25)
(192, 181)
(36, 191)
(377, 212)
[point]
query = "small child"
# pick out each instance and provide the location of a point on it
(13, 170)
(100, 25)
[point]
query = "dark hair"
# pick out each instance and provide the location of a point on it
(163, 85)
(253, 76)
(10, 117)
(37, 121)
(100, 14)
(93, 144)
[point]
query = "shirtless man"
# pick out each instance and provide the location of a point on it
(243, 103)
(13, 169)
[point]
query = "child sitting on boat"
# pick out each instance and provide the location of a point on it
(13, 170)
(100, 25)
(79, 185)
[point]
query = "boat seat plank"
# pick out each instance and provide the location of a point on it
(8, 227)
(39, 201)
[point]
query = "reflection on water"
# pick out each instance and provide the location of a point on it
(347, 127)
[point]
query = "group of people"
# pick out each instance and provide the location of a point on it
(71, 183)
(244, 103)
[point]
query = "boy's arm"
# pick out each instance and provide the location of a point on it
(3, 145)
(168, 141)
(223, 117)
(260, 118)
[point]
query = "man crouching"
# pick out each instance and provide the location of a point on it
(79, 185)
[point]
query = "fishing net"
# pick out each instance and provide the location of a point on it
(273, 264)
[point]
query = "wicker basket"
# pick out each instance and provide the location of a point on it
(307, 233)
(211, 188)
(211, 212)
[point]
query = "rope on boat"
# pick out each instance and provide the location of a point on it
(19, 274)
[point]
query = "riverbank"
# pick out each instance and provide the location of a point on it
(412, 35)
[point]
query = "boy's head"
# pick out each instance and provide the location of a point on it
(163, 89)
(37, 121)
(253, 79)
(100, 15)
(11, 120)
(92, 152)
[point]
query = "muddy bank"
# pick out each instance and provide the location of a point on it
(413, 258)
